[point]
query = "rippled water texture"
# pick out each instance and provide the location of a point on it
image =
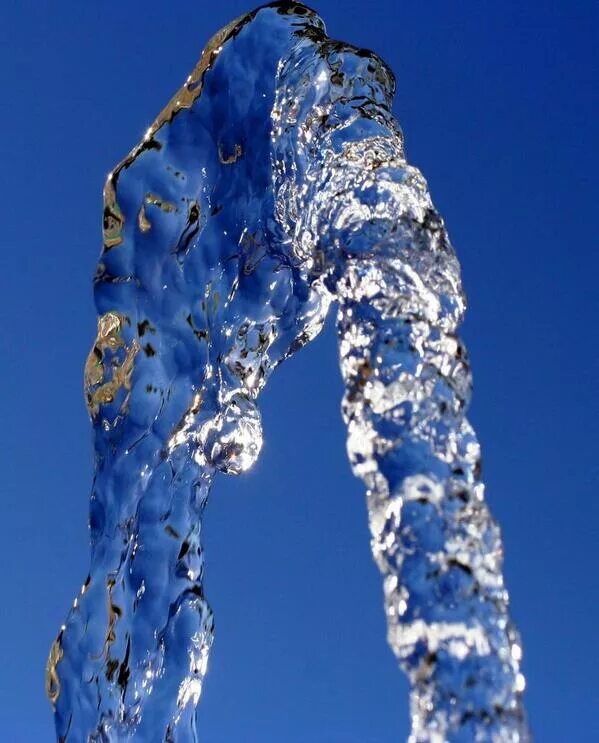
(273, 183)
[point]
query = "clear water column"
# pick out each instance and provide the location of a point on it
(273, 183)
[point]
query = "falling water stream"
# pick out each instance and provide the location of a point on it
(273, 184)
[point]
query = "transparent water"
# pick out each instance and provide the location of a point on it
(272, 185)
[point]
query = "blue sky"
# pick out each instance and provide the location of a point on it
(496, 101)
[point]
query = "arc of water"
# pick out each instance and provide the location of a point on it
(274, 182)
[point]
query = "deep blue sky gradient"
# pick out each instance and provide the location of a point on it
(497, 103)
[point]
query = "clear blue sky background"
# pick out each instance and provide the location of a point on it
(496, 101)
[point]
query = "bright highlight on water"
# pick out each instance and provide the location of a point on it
(274, 184)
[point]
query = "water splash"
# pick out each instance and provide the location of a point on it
(273, 183)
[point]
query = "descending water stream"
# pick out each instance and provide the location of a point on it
(273, 184)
